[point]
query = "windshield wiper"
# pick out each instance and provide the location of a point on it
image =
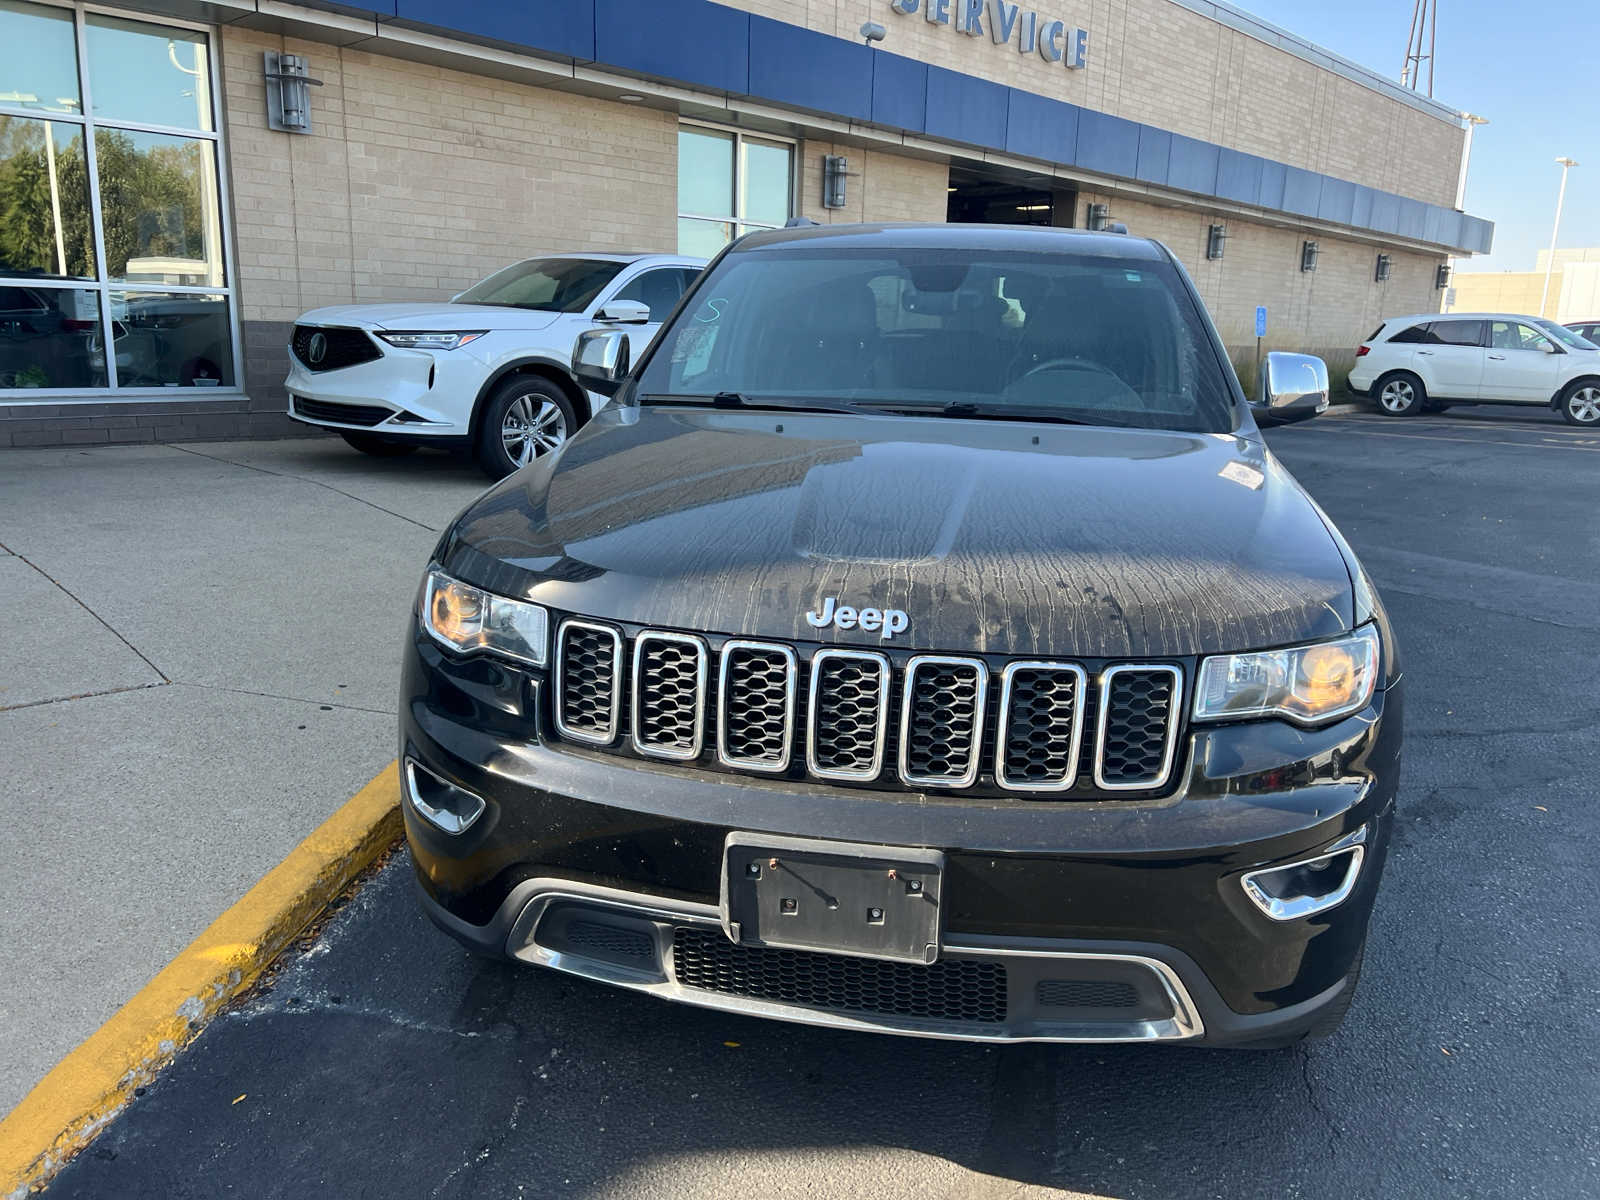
(964, 409)
(741, 400)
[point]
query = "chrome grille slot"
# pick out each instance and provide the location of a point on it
(1136, 732)
(755, 705)
(588, 682)
(848, 714)
(669, 695)
(1041, 726)
(941, 721)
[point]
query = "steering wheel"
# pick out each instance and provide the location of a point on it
(1066, 364)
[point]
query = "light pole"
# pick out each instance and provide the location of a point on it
(1473, 121)
(1561, 197)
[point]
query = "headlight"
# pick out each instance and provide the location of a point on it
(431, 341)
(466, 618)
(1306, 684)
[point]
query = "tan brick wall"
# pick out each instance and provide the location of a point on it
(1156, 62)
(419, 180)
(1327, 311)
(881, 186)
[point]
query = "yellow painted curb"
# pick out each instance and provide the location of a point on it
(91, 1085)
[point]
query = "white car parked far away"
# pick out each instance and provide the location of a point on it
(1427, 362)
(489, 370)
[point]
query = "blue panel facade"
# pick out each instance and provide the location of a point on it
(899, 92)
(1338, 202)
(1302, 191)
(566, 29)
(1108, 144)
(1239, 176)
(709, 49)
(708, 45)
(965, 109)
(1194, 165)
(1039, 127)
(1155, 155)
(806, 69)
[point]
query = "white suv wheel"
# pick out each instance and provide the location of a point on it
(1583, 405)
(1398, 397)
(533, 425)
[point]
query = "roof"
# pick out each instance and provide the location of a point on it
(1038, 239)
(1469, 316)
(623, 257)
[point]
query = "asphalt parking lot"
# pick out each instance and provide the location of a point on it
(381, 1060)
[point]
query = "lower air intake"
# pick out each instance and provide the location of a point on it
(952, 990)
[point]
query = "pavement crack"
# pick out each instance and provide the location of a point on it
(1315, 1100)
(304, 479)
(110, 628)
(235, 691)
(116, 691)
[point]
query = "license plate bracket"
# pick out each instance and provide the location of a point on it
(833, 897)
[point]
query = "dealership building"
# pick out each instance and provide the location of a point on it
(179, 179)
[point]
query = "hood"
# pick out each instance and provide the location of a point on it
(435, 315)
(993, 537)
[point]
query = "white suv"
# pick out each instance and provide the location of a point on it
(489, 370)
(1427, 362)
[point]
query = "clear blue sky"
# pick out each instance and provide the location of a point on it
(1529, 67)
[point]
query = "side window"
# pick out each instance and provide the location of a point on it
(1510, 335)
(1457, 333)
(658, 290)
(1416, 333)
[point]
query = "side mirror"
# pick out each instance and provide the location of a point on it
(1293, 387)
(1551, 348)
(624, 312)
(600, 360)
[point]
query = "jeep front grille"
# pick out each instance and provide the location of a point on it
(1056, 730)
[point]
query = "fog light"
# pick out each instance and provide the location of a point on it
(1310, 886)
(443, 804)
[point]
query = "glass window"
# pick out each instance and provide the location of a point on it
(1575, 338)
(657, 290)
(705, 172)
(565, 285)
(172, 339)
(729, 184)
(1512, 335)
(38, 59)
(142, 228)
(50, 338)
(46, 227)
(1412, 333)
(1456, 333)
(158, 206)
(767, 186)
(1105, 341)
(148, 74)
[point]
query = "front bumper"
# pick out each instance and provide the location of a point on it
(1138, 905)
(426, 396)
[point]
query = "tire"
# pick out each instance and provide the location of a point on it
(378, 447)
(1580, 403)
(1399, 394)
(525, 419)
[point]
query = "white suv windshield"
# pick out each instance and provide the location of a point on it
(1092, 339)
(565, 285)
(1567, 337)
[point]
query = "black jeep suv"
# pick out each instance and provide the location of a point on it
(922, 641)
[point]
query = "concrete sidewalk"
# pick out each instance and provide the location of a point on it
(199, 666)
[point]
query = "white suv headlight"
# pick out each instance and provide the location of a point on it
(410, 340)
(466, 618)
(1306, 684)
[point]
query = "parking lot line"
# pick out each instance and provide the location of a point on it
(1553, 439)
(91, 1084)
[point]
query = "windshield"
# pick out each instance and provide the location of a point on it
(1565, 336)
(1100, 340)
(564, 285)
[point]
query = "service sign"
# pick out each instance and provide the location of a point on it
(1008, 24)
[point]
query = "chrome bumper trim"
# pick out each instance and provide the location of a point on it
(536, 896)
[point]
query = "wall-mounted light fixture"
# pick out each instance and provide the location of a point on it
(835, 170)
(289, 87)
(1308, 256)
(1098, 216)
(1215, 237)
(1384, 265)
(1441, 276)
